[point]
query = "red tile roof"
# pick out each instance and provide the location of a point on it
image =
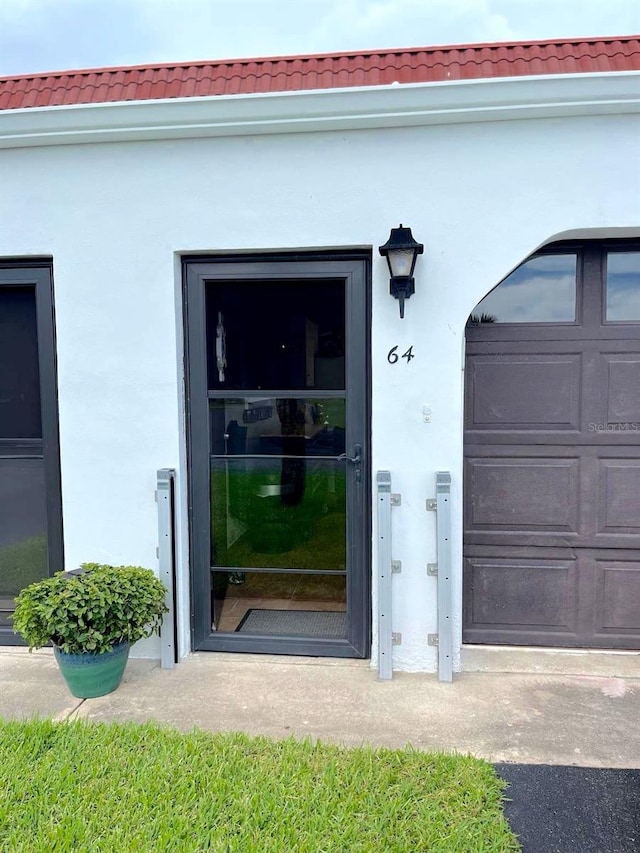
(323, 71)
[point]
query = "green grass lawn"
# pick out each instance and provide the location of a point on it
(83, 788)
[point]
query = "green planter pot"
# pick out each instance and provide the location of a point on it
(88, 675)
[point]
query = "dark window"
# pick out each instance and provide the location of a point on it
(19, 375)
(623, 287)
(277, 426)
(23, 526)
(541, 290)
(269, 335)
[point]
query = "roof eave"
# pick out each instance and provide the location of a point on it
(396, 105)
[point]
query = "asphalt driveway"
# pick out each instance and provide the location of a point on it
(556, 809)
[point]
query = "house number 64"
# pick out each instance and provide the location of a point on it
(393, 357)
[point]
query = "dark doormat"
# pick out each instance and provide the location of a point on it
(573, 809)
(302, 623)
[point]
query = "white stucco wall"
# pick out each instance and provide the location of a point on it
(114, 216)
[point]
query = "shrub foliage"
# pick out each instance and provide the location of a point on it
(91, 611)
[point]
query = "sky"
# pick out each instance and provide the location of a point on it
(56, 35)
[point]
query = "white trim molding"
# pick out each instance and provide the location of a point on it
(395, 105)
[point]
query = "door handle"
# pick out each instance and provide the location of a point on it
(356, 459)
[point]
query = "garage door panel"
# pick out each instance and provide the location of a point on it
(619, 500)
(521, 596)
(617, 598)
(622, 390)
(522, 495)
(524, 392)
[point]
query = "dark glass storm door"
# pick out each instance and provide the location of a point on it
(278, 450)
(30, 510)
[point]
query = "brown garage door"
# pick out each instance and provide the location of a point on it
(552, 453)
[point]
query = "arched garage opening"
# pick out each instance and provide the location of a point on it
(552, 452)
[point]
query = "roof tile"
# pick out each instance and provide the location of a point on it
(322, 71)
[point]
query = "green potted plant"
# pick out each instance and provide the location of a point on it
(91, 616)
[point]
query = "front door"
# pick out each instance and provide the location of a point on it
(278, 449)
(30, 506)
(552, 446)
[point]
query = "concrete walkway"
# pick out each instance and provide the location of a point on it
(508, 717)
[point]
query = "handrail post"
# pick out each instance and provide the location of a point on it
(385, 639)
(166, 560)
(445, 631)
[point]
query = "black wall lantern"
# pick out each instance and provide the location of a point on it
(401, 251)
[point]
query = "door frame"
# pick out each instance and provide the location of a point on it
(38, 273)
(354, 267)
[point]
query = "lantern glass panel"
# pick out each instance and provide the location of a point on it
(401, 261)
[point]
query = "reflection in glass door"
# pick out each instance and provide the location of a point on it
(278, 396)
(30, 517)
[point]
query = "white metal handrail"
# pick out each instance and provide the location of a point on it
(443, 571)
(385, 629)
(166, 559)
